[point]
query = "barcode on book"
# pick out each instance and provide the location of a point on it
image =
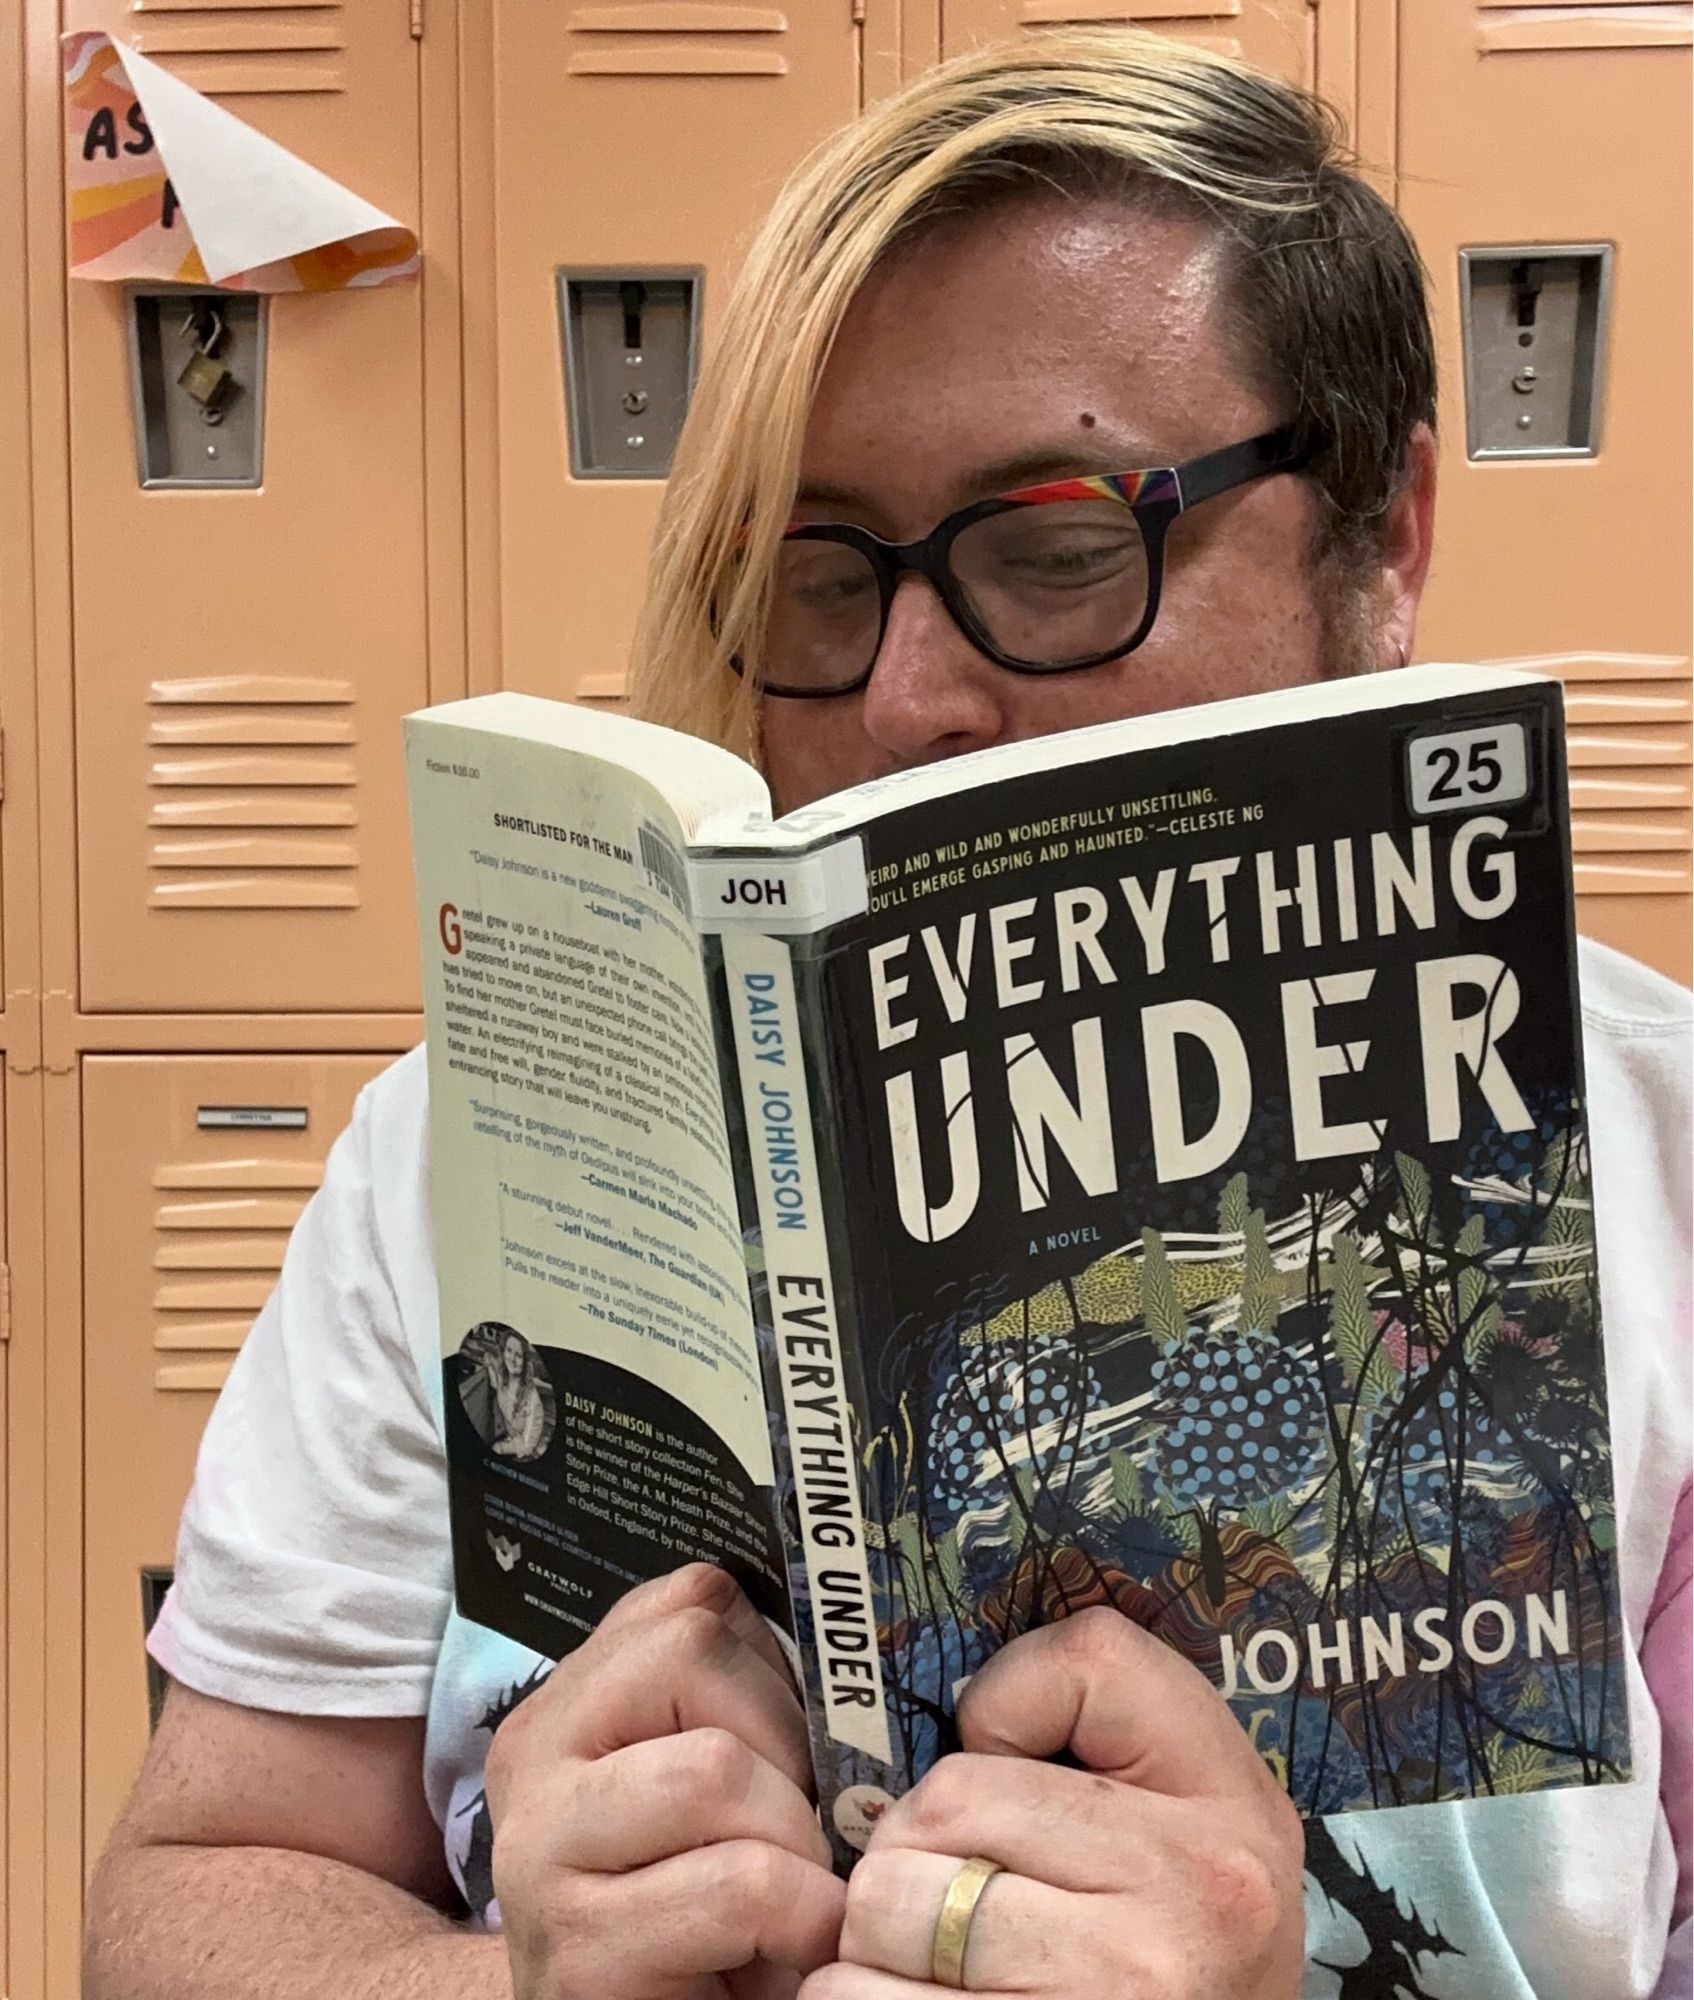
(665, 867)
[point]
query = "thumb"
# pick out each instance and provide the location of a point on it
(1120, 1702)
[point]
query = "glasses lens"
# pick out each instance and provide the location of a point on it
(1057, 583)
(826, 617)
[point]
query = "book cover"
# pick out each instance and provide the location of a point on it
(1203, 1163)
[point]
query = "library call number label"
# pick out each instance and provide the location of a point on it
(1468, 767)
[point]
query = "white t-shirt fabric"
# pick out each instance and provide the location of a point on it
(314, 1569)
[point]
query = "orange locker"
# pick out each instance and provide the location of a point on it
(630, 136)
(195, 1170)
(242, 657)
(5, 1544)
(1278, 35)
(18, 966)
(1567, 125)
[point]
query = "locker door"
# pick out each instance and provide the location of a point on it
(1277, 35)
(186, 1216)
(1582, 563)
(5, 1536)
(243, 656)
(629, 134)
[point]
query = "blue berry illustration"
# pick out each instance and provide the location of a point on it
(1240, 1419)
(1011, 1413)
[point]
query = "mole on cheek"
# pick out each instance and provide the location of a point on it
(1087, 420)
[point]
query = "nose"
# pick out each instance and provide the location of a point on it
(932, 694)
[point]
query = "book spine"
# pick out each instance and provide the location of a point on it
(778, 1160)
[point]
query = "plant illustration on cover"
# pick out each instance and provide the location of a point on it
(1346, 1453)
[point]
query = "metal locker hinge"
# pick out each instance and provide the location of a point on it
(415, 19)
(858, 13)
(2, 763)
(5, 1303)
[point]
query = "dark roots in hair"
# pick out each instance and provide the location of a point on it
(1328, 291)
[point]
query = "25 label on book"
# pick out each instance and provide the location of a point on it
(1468, 768)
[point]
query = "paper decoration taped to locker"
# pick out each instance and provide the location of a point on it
(164, 184)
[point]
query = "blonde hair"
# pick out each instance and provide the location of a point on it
(1112, 111)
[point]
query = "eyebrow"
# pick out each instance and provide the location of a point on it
(1005, 475)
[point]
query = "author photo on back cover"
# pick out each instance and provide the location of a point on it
(505, 1391)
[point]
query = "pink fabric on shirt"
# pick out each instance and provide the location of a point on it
(1667, 1659)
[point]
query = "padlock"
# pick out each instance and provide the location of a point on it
(208, 381)
(204, 377)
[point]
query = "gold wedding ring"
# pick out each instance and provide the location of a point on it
(953, 1926)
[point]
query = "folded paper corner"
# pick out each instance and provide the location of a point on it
(164, 184)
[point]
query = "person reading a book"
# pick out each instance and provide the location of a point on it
(1088, 264)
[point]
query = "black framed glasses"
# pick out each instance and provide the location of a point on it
(1045, 580)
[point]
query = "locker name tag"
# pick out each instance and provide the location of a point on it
(1466, 768)
(780, 893)
(271, 1117)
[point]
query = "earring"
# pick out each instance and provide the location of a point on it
(1400, 649)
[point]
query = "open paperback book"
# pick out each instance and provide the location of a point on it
(1143, 1167)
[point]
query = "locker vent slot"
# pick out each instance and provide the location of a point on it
(256, 48)
(627, 25)
(220, 1228)
(1505, 27)
(252, 793)
(677, 17)
(1067, 13)
(676, 59)
(1627, 725)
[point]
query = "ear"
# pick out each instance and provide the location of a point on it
(1406, 545)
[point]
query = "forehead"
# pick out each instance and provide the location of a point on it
(1097, 326)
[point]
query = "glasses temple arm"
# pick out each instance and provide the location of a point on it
(1220, 471)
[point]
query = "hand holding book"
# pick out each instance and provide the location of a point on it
(654, 1834)
(1180, 1874)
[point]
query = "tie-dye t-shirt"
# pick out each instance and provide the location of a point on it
(313, 1569)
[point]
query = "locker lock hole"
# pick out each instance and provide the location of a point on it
(630, 342)
(1534, 321)
(197, 369)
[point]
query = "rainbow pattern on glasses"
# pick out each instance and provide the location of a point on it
(1131, 488)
